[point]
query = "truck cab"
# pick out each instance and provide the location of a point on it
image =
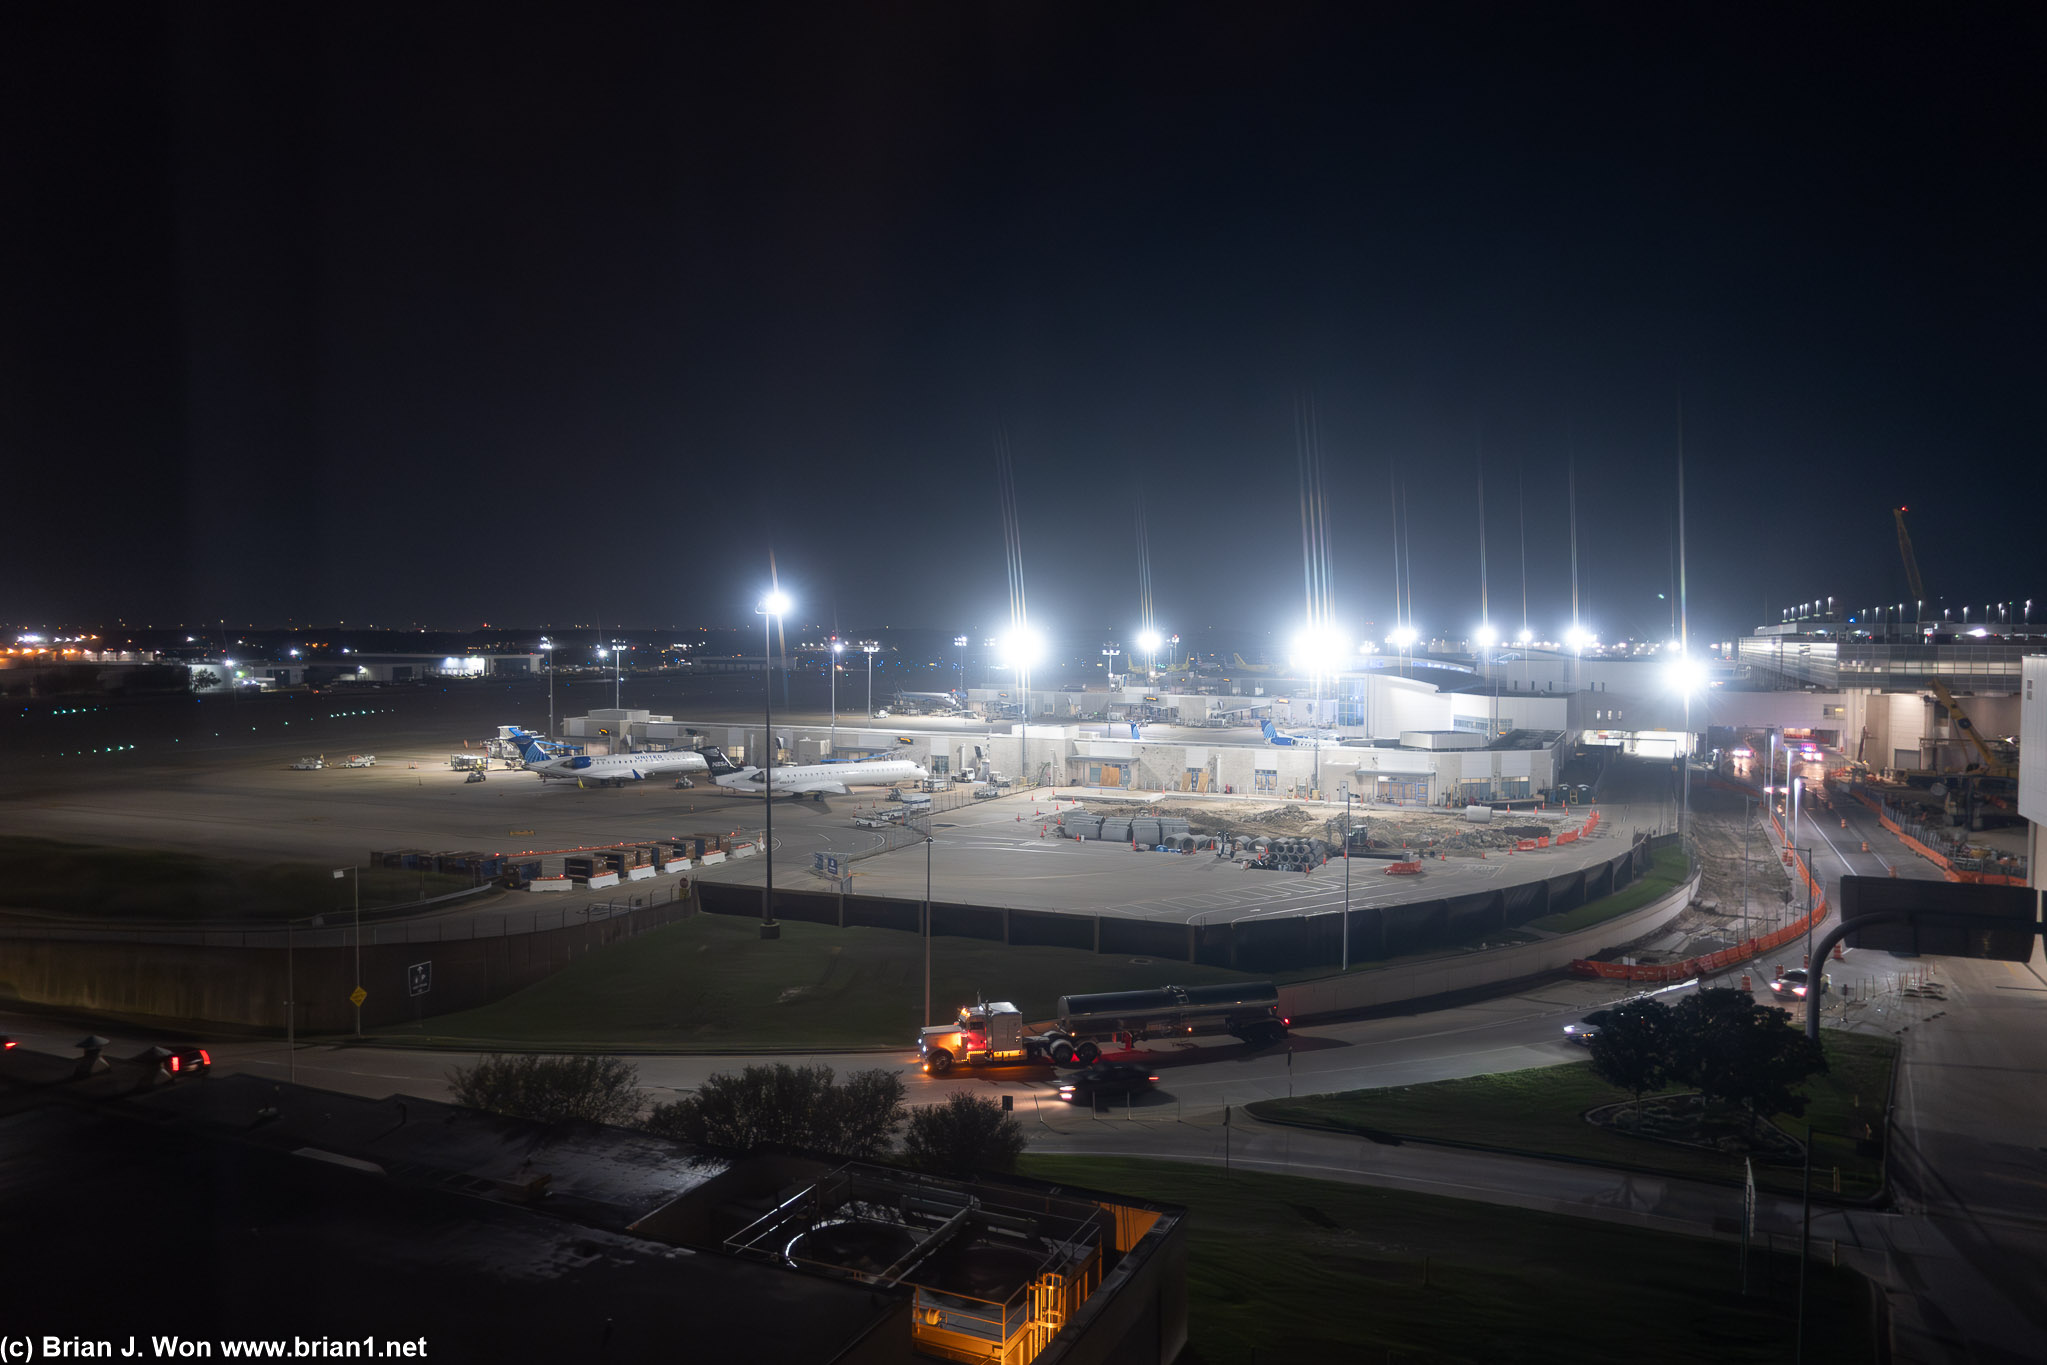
(990, 1031)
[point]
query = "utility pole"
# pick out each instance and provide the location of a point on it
(927, 929)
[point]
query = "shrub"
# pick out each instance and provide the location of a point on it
(799, 1106)
(964, 1135)
(551, 1089)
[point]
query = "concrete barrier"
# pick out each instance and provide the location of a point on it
(601, 881)
(677, 865)
(1468, 971)
(743, 850)
(550, 884)
(640, 874)
(714, 857)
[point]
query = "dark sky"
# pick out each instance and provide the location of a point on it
(491, 313)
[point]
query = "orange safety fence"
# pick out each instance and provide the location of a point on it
(1708, 963)
(1403, 869)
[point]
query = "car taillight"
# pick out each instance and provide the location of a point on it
(1287, 1022)
(1153, 1079)
(204, 1058)
(174, 1063)
(10, 1043)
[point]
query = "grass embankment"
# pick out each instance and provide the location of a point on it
(711, 984)
(1284, 1268)
(98, 882)
(1542, 1110)
(1667, 872)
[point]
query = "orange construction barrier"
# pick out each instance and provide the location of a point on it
(1525, 845)
(1402, 869)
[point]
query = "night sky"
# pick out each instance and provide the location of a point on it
(454, 314)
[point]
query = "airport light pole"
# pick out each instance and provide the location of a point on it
(774, 606)
(547, 652)
(838, 648)
(960, 643)
(1149, 641)
(870, 648)
(1021, 648)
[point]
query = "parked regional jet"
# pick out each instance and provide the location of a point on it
(822, 779)
(1320, 739)
(616, 769)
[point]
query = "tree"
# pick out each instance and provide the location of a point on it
(790, 1106)
(204, 680)
(1737, 1052)
(1633, 1048)
(964, 1135)
(551, 1089)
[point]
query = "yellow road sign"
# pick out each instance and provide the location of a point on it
(357, 996)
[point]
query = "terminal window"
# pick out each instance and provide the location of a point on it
(1265, 779)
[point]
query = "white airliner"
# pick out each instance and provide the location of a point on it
(822, 779)
(615, 769)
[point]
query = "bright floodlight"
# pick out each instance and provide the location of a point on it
(1319, 649)
(1022, 646)
(1149, 641)
(1577, 637)
(1486, 635)
(776, 603)
(1526, 635)
(1687, 676)
(1402, 637)
(838, 646)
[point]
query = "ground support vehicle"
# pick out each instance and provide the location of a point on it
(992, 1032)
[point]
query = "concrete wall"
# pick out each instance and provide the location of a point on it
(1363, 990)
(247, 986)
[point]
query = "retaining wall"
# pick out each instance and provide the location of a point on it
(247, 986)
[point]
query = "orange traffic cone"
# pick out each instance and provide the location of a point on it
(1837, 952)
(1745, 984)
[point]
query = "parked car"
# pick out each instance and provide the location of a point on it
(186, 1059)
(1586, 1029)
(1792, 985)
(1105, 1078)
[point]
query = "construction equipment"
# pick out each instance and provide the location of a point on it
(1992, 764)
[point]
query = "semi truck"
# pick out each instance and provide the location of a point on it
(992, 1032)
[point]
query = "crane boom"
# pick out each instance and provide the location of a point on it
(1991, 763)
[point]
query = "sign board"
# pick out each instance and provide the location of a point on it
(419, 979)
(357, 996)
(827, 863)
(1869, 895)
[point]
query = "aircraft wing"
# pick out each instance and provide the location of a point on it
(815, 784)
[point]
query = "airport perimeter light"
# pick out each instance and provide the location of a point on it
(1486, 636)
(870, 648)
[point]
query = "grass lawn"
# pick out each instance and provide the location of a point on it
(711, 984)
(90, 880)
(1539, 1111)
(1666, 873)
(1288, 1269)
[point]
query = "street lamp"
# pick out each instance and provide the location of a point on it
(356, 996)
(838, 648)
(772, 608)
(870, 648)
(617, 655)
(959, 642)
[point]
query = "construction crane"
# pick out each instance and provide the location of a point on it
(1992, 764)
